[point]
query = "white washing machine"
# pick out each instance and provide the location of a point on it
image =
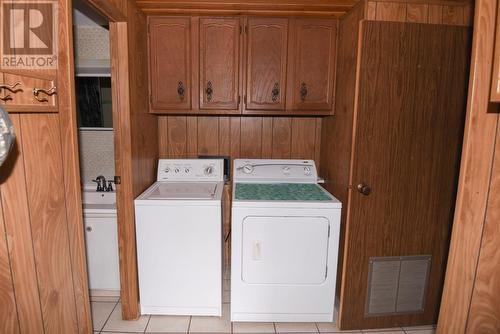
(285, 240)
(179, 239)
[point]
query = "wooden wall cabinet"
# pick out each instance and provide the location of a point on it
(203, 65)
(267, 45)
(219, 63)
(312, 64)
(170, 63)
(194, 65)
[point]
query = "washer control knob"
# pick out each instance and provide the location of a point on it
(186, 170)
(209, 170)
(286, 170)
(307, 170)
(167, 170)
(247, 169)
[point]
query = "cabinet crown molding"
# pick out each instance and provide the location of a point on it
(327, 8)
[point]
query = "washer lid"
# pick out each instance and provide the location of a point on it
(183, 190)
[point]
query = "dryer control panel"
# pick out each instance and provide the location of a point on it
(275, 170)
(191, 170)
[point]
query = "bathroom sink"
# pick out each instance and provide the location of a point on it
(98, 203)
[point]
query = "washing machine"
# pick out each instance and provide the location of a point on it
(179, 239)
(285, 240)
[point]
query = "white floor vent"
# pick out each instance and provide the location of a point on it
(397, 285)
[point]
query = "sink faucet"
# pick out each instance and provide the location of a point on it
(101, 183)
(110, 186)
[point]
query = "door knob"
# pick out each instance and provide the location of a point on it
(364, 189)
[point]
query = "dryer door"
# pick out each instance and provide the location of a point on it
(285, 250)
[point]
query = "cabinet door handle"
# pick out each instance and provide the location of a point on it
(303, 91)
(11, 88)
(275, 92)
(209, 91)
(36, 92)
(180, 90)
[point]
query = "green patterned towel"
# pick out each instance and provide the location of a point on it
(280, 192)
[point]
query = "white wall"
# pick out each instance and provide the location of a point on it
(97, 155)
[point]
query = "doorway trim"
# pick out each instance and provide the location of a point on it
(120, 90)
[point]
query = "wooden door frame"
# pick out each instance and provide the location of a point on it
(129, 287)
(71, 165)
(118, 38)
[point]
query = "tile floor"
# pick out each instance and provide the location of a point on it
(107, 320)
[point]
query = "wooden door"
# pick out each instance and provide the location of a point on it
(312, 64)
(267, 41)
(170, 62)
(219, 63)
(409, 128)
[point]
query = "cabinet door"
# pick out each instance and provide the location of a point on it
(219, 57)
(102, 253)
(266, 63)
(312, 55)
(170, 62)
(30, 94)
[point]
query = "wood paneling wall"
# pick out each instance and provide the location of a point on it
(18, 227)
(336, 134)
(433, 12)
(143, 126)
(470, 302)
(42, 142)
(9, 317)
(36, 226)
(240, 137)
(484, 314)
(42, 250)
